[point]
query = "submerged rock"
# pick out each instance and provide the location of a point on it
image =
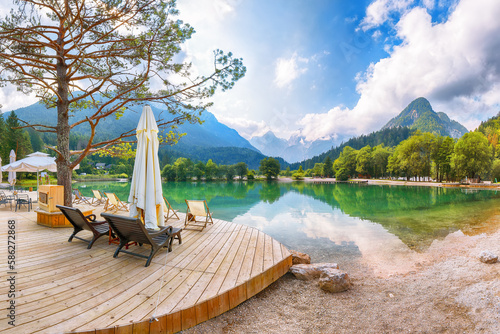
(334, 280)
(311, 271)
(300, 258)
(488, 257)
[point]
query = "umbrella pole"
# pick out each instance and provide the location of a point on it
(37, 181)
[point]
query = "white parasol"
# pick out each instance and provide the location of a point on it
(34, 162)
(146, 194)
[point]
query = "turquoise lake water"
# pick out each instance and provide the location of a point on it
(332, 221)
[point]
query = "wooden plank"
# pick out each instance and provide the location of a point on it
(66, 287)
(201, 312)
(268, 252)
(140, 328)
(159, 326)
(246, 267)
(174, 322)
(277, 255)
(234, 270)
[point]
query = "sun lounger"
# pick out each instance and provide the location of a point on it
(98, 198)
(114, 204)
(132, 229)
(169, 212)
(78, 198)
(81, 222)
(195, 210)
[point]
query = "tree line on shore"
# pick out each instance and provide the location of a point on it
(422, 156)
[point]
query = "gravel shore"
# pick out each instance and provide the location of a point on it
(444, 290)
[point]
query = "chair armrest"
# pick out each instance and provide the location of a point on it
(163, 230)
(98, 222)
(91, 217)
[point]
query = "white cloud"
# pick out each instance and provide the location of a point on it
(454, 64)
(429, 4)
(246, 128)
(379, 11)
(287, 70)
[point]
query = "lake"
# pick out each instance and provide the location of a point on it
(339, 222)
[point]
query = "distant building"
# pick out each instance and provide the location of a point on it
(100, 165)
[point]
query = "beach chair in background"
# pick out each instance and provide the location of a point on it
(81, 222)
(98, 198)
(198, 214)
(78, 198)
(114, 204)
(133, 230)
(168, 211)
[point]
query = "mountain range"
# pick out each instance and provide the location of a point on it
(216, 141)
(419, 115)
(210, 140)
(297, 148)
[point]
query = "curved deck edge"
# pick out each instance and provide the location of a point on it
(205, 310)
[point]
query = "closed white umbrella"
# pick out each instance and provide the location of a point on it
(0, 170)
(12, 175)
(146, 195)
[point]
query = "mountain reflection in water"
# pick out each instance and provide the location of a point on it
(329, 221)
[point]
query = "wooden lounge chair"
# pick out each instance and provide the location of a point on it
(114, 204)
(132, 229)
(81, 222)
(98, 198)
(197, 209)
(169, 212)
(79, 198)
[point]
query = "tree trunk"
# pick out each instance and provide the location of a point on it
(63, 160)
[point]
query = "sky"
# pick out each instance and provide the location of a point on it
(337, 69)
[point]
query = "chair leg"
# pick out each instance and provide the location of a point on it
(153, 252)
(92, 241)
(75, 231)
(122, 243)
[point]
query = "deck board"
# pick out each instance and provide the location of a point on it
(63, 287)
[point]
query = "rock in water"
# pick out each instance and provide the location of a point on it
(300, 258)
(311, 271)
(488, 257)
(334, 280)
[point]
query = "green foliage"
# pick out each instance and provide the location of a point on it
(495, 170)
(210, 170)
(299, 174)
(327, 167)
(380, 159)
(473, 155)
(389, 137)
(342, 174)
(270, 168)
(241, 169)
(347, 161)
(364, 163)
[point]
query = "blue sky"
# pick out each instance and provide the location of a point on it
(337, 69)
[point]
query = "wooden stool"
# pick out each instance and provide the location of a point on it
(176, 234)
(115, 240)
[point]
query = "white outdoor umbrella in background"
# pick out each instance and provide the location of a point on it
(34, 162)
(12, 175)
(146, 195)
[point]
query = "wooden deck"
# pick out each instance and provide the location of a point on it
(63, 287)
